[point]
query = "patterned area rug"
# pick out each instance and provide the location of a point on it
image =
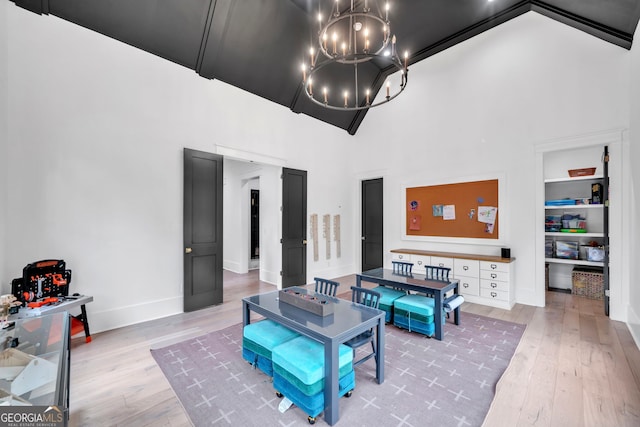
(440, 383)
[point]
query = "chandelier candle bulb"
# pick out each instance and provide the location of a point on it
(304, 73)
(346, 96)
(310, 87)
(368, 96)
(335, 43)
(406, 56)
(311, 52)
(344, 49)
(324, 90)
(388, 87)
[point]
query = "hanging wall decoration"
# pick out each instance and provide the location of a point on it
(314, 235)
(326, 233)
(336, 233)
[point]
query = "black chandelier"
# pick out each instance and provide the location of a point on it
(353, 46)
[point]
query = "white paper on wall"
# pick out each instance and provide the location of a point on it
(336, 234)
(326, 233)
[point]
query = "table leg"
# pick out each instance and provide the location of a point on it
(437, 318)
(85, 323)
(331, 385)
(380, 351)
(358, 281)
(456, 312)
(246, 316)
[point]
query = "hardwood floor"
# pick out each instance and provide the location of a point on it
(574, 366)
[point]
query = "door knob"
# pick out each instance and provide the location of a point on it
(304, 242)
(187, 250)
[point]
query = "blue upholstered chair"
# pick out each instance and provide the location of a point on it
(326, 287)
(370, 298)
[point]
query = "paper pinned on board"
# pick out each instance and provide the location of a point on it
(449, 212)
(487, 214)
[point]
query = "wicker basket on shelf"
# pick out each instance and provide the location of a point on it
(588, 283)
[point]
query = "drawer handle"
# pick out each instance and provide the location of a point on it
(465, 268)
(400, 257)
(419, 262)
(465, 285)
(493, 275)
(494, 285)
(441, 265)
(493, 294)
(494, 266)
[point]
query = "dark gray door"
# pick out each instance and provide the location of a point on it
(294, 227)
(372, 256)
(202, 229)
(605, 192)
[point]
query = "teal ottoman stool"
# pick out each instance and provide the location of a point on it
(387, 297)
(260, 338)
(299, 374)
(415, 313)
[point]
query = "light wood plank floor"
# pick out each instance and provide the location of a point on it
(574, 366)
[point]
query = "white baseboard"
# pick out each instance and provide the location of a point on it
(633, 323)
(270, 277)
(232, 266)
(529, 297)
(333, 273)
(132, 314)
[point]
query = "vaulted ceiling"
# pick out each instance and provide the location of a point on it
(257, 45)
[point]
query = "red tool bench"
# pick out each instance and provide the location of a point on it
(79, 323)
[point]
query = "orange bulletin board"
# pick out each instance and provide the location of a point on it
(464, 209)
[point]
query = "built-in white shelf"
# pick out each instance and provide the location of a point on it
(566, 207)
(577, 178)
(561, 234)
(574, 262)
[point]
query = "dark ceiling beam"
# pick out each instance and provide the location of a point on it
(216, 29)
(36, 6)
(596, 29)
(205, 37)
(471, 31)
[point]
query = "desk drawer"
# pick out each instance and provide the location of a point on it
(494, 266)
(469, 286)
(499, 276)
(442, 262)
(400, 257)
(466, 267)
(494, 285)
(494, 294)
(419, 262)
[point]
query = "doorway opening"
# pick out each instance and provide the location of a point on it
(254, 247)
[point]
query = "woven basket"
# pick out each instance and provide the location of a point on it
(588, 283)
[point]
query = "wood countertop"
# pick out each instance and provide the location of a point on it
(454, 255)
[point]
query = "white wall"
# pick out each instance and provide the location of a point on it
(480, 108)
(634, 192)
(96, 132)
(4, 87)
(103, 126)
